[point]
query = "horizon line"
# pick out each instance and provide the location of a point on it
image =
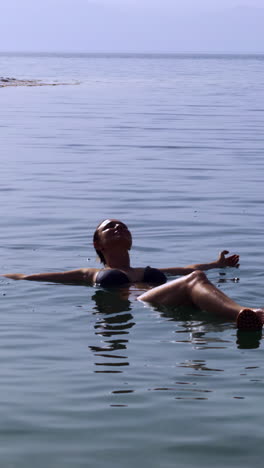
(43, 52)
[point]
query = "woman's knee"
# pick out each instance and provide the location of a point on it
(197, 276)
(185, 283)
(176, 292)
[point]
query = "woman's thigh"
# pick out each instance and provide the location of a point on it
(174, 292)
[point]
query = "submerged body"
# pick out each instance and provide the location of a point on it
(113, 241)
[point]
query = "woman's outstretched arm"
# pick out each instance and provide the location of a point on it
(221, 262)
(81, 276)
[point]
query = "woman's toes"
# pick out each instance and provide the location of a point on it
(249, 320)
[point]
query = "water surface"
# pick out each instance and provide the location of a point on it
(173, 146)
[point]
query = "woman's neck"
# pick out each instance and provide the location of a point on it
(119, 260)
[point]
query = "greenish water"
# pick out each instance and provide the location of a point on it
(173, 146)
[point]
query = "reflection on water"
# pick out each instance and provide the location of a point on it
(200, 366)
(197, 327)
(114, 320)
(191, 388)
(248, 340)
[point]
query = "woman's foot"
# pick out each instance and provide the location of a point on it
(250, 320)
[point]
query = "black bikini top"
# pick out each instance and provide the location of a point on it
(110, 278)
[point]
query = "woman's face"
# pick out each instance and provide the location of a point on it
(113, 232)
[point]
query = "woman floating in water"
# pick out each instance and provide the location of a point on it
(112, 241)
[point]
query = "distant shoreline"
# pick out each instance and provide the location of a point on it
(9, 82)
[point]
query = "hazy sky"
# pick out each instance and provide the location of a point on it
(132, 26)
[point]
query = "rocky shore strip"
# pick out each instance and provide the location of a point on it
(6, 82)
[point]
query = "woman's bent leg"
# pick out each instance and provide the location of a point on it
(172, 293)
(198, 290)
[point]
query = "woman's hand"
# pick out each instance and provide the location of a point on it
(15, 276)
(231, 261)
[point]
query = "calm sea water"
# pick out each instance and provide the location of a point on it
(172, 145)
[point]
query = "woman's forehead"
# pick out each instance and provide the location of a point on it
(104, 223)
(109, 221)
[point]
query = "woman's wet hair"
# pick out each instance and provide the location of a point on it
(95, 239)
